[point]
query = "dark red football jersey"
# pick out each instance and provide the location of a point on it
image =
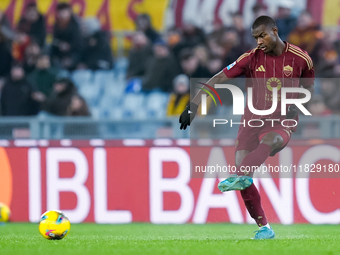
(265, 72)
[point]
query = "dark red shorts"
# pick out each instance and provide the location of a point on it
(248, 138)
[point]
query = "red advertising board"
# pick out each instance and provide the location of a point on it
(123, 184)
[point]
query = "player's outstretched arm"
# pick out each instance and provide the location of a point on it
(190, 111)
(216, 79)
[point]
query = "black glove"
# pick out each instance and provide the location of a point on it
(188, 115)
(292, 112)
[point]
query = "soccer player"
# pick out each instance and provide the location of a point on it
(273, 63)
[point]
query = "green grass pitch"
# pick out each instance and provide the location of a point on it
(24, 238)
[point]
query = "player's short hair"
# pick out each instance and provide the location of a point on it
(264, 20)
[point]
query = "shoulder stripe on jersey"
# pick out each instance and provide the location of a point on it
(246, 54)
(304, 55)
(287, 46)
(300, 55)
(302, 52)
(310, 64)
(242, 57)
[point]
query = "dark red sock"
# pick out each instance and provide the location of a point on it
(250, 195)
(252, 200)
(254, 158)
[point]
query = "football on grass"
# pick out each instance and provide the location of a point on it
(5, 213)
(54, 225)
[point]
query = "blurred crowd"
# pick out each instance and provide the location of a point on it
(31, 79)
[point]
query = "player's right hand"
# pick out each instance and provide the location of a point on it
(292, 112)
(188, 115)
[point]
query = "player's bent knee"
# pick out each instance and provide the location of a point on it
(278, 142)
(273, 139)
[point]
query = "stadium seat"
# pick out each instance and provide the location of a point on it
(114, 91)
(132, 103)
(116, 113)
(100, 78)
(121, 68)
(80, 77)
(96, 112)
(91, 94)
(156, 103)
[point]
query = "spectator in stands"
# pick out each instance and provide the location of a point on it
(246, 40)
(2, 83)
(33, 24)
(6, 36)
(180, 96)
(337, 46)
(138, 56)
(16, 99)
(6, 60)
(96, 53)
(190, 65)
(215, 64)
(60, 99)
(231, 47)
(285, 21)
(202, 54)
(337, 67)
(331, 94)
(317, 107)
(67, 39)
(174, 41)
(328, 57)
(32, 53)
(6, 33)
(192, 35)
(306, 35)
(43, 77)
(20, 44)
(143, 23)
(260, 9)
(161, 69)
(77, 107)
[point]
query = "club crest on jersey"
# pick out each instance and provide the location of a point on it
(288, 70)
(231, 65)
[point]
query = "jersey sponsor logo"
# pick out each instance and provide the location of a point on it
(273, 81)
(231, 65)
(260, 69)
(288, 70)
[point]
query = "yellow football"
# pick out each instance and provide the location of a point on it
(5, 212)
(54, 225)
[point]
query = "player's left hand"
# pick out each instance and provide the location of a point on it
(188, 115)
(292, 112)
